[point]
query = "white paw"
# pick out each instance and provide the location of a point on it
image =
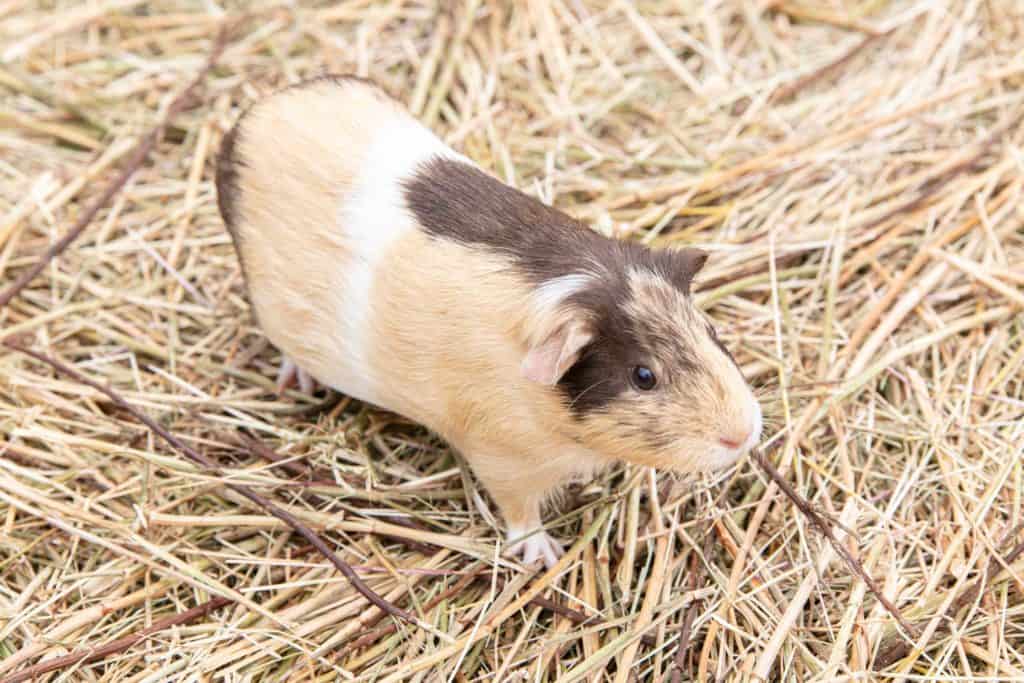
(289, 372)
(536, 546)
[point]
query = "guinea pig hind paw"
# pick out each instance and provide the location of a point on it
(307, 384)
(536, 546)
(289, 373)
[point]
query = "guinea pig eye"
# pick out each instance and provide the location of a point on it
(643, 379)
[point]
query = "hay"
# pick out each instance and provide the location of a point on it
(856, 168)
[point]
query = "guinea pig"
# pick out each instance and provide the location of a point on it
(387, 266)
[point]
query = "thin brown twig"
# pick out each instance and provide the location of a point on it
(314, 478)
(889, 654)
(686, 633)
(575, 616)
(824, 526)
(212, 468)
(791, 89)
(308, 473)
(139, 156)
(119, 645)
(578, 618)
(376, 635)
(294, 468)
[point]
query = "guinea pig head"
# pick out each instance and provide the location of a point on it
(641, 370)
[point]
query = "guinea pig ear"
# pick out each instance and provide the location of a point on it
(555, 330)
(692, 260)
(687, 263)
(548, 360)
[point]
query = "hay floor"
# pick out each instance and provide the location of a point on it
(856, 168)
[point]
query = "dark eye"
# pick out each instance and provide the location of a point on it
(643, 378)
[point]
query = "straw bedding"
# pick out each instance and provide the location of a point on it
(856, 170)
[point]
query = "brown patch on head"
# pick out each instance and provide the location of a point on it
(699, 393)
(643, 319)
(456, 202)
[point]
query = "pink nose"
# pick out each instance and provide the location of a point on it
(732, 441)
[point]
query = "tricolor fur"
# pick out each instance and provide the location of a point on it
(394, 270)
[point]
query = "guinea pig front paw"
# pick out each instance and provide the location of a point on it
(289, 373)
(537, 546)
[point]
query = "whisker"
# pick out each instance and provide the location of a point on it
(581, 394)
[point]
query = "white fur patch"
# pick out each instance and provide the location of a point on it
(371, 218)
(553, 293)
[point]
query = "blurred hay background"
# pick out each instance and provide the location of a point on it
(855, 167)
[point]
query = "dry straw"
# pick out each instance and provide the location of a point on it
(856, 169)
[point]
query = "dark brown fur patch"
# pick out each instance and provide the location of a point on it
(229, 192)
(226, 180)
(455, 201)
